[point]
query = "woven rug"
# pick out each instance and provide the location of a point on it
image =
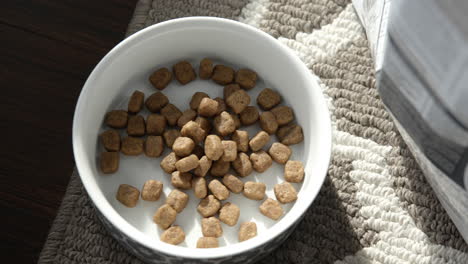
(375, 205)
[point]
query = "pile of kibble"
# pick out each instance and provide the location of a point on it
(205, 140)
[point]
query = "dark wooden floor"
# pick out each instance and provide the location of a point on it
(48, 48)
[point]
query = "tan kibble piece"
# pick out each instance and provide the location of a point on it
(155, 124)
(271, 209)
(110, 140)
(199, 187)
(187, 163)
(230, 150)
(247, 231)
(219, 190)
(156, 102)
(211, 227)
(204, 124)
(171, 113)
(183, 146)
(261, 161)
(128, 195)
(109, 162)
(199, 151)
(207, 242)
(181, 180)
(254, 190)
(220, 168)
(280, 152)
(132, 146)
(165, 216)
(209, 206)
(154, 146)
(168, 163)
(268, 122)
(187, 115)
(242, 165)
(229, 89)
(221, 105)
(293, 136)
(177, 200)
(223, 75)
(233, 183)
(117, 118)
(224, 124)
(259, 141)
(170, 136)
(213, 147)
(206, 69)
(174, 235)
(229, 214)
(160, 78)
(238, 101)
(184, 73)
(208, 107)
(268, 99)
(151, 190)
(204, 165)
(285, 192)
(283, 114)
(136, 126)
(242, 140)
(237, 122)
(193, 131)
(246, 78)
(249, 116)
(294, 171)
(136, 102)
(196, 99)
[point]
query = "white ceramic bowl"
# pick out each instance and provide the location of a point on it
(127, 67)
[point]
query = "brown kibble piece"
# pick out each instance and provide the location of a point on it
(132, 146)
(249, 116)
(271, 209)
(230, 150)
(211, 227)
(209, 206)
(193, 131)
(136, 126)
(181, 180)
(283, 114)
(219, 168)
(218, 190)
(268, 99)
(208, 107)
(187, 163)
(160, 78)
(254, 190)
(136, 102)
(213, 147)
(283, 131)
(196, 99)
(259, 141)
(221, 105)
(204, 164)
(207, 242)
(242, 140)
(223, 75)
(111, 140)
(229, 89)
(261, 161)
(199, 187)
(268, 122)
(177, 200)
(168, 163)
(184, 73)
(187, 115)
(224, 124)
(293, 136)
(280, 152)
(233, 183)
(117, 119)
(206, 69)
(246, 78)
(128, 195)
(229, 214)
(155, 124)
(242, 165)
(156, 102)
(237, 122)
(199, 151)
(285, 192)
(154, 146)
(109, 162)
(247, 231)
(170, 136)
(183, 146)
(174, 235)
(238, 101)
(151, 190)
(165, 216)
(204, 124)
(294, 171)
(171, 113)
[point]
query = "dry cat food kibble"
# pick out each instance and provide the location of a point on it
(283, 114)
(109, 162)
(154, 146)
(218, 190)
(247, 231)
(171, 113)
(290, 134)
(242, 165)
(128, 195)
(271, 209)
(187, 115)
(136, 126)
(242, 140)
(285, 192)
(208, 107)
(111, 140)
(193, 131)
(233, 183)
(222, 75)
(165, 216)
(160, 78)
(246, 78)
(294, 171)
(204, 165)
(182, 180)
(206, 69)
(174, 235)
(177, 200)
(213, 147)
(229, 214)
(155, 124)
(280, 152)
(168, 163)
(170, 136)
(183, 146)
(136, 102)
(238, 101)
(267, 99)
(117, 119)
(211, 227)
(184, 73)
(207, 242)
(156, 102)
(132, 146)
(199, 187)
(261, 161)
(259, 141)
(204, 124)
(224, 124)
(230, 150)
(219, 168)
(196, 99)
(151, 190)
(268, 122)
(209, 206)
(254, 190)
(187, 164)
(249, 116)
(229, 89)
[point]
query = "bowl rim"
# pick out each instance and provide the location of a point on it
(118, 222)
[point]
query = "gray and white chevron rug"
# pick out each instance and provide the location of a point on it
(375, 205)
